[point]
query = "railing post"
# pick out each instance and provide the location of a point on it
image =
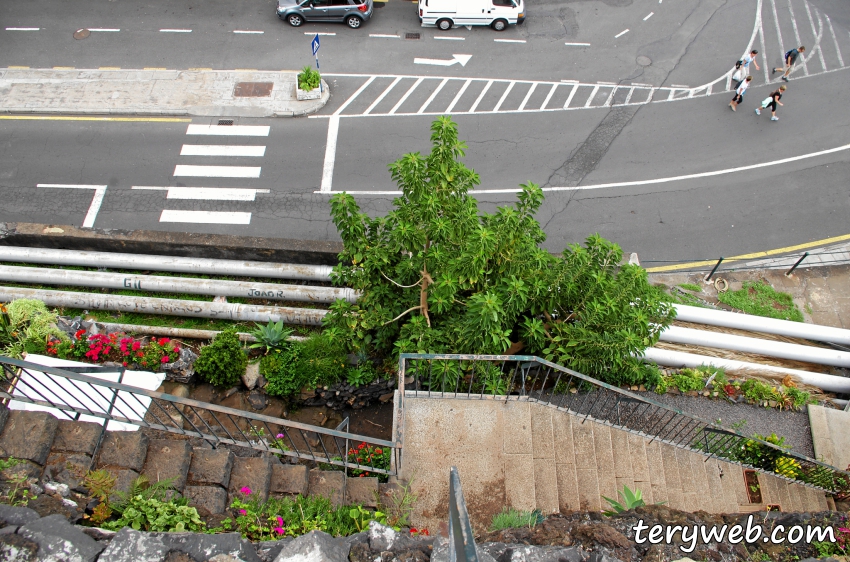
(461, 539)
(715, 269)
(799, 261)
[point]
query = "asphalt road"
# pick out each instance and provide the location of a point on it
(606, 162)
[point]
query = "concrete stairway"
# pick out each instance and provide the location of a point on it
(531, 456)
(61, 451)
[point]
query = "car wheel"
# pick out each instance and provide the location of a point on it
(445, 25)
(295, 20)
(353, 22)
(499, 25)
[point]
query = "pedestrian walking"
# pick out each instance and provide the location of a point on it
(739, 93)
(771, 102)
(744, 69)
(790, 59)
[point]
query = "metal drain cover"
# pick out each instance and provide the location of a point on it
(411, 35)
(81, 33)
(253, 89)
(224, 122)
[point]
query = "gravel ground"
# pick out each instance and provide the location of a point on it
(793, 426)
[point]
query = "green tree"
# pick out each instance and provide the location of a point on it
(438, 276)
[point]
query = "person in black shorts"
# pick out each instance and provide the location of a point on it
(771, 102)
(739, 93)
(790, 59)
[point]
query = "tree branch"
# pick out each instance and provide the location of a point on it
(402, 314)
(397, 285)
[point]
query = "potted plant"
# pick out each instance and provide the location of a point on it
(307, 85)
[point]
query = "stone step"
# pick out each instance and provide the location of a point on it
(327, 483)
(168, 459)
(587, 477)
(656, 471)
(250, 472)
(543, 452)
(623, 469)
(518, 455)
(122, 454)
(675, 496)
(565, 469)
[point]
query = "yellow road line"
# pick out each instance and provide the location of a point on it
(17, 67)
(155, 68)
(199, 69)
(109, 68)
(63, 68)
(75, 118)
(245, 70)
(754, 255)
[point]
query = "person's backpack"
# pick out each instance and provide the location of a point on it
(740, 63)
(791, 53)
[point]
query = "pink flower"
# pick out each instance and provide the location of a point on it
(242, 512)
(136, 345)
(164, 359)
(280, 436)
(280, 521)
(246, 490)
(279, 530)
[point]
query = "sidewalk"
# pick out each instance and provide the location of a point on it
(820, 285)
(154, 92)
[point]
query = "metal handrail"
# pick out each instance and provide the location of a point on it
(530, 378)
(75, 395)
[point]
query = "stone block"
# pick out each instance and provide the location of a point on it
(251, 375)
(585, 454)
(211, 498)
(167, 459)
(562, 429)
(67, 468)
(123, 449)
(588, 489)
(4, 415)
(76, 437)
(129, 545)
(517, 428)
(545, 486)
(251, 472)
(27, 469)
(315, 545)
(59, 540)
(604, 459)
(288, 479)
(568, 499)
(17, 515)
(362, 490)
(203, 547)
(326, 483)
(28, 435)
(210, 466)
(519, 481)
(16, 548)
(123, 477)
(542, 432)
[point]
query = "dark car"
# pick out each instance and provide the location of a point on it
(352, 12)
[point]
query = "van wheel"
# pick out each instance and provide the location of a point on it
(499, 25)
(445, 25)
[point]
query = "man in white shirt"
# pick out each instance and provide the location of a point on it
(745, 68)
(739, 93)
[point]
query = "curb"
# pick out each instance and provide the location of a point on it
(184, 244)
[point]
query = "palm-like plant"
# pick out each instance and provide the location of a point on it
(271, 336)
(631, 500)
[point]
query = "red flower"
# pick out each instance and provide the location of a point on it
(136, 345)
(164, 359)
(163, 341)
(125, 363)
(360, 446)
(379, 452)
(140, 354)
(78, 334)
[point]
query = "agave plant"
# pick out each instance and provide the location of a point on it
(271, 336)
(631, 500)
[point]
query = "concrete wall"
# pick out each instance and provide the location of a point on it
(831, 435)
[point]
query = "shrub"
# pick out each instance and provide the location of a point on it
(222, 362)
(309, 79)
(511, 518)
(761, 299)
(32, 324)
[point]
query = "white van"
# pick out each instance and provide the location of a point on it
(498, 14)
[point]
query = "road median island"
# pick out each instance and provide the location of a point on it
(155, 92)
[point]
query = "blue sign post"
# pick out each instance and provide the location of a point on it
(314, 44)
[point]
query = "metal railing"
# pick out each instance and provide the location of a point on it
(525, 377)
(70, 393)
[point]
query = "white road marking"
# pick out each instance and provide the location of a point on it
(205, 217)
(835, 39)
(610, 97)
(570, 97)
(684, 86)
(206, 193)
(175, 31)
(221, 150)
(797, 37)
(380, 98)
(355, 94)
(462, 59)
(504, 96)
(96, 200)
(527, 96)
(592, 95)
(444, 38)
(621, 33)
(509, 40)
(629, 95)
(182, 170)
(382, 36)
(248, 31)
(648, 16)
(778, 31)
(330, 154)
(577, 44)
(103, 29)
(480, 96)
(433, 95)
(549, 96)
(651, 181)
(229, 130)
(458, 96)
(23, 28)
(407, 94)
(314, 33)
(817, 34)
(765, 66)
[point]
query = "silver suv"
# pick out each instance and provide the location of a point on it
(352, 12)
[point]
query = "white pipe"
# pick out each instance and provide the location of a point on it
(166, 263)
(214, 287)
(783, 350)
(668, 358)
(171, 307)
(760, 324)
(184, 333)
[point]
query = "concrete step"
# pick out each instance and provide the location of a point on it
(623, 470)
(675, 495)
(656, 471)
(565, 459)
(543, 453)
(587, 477)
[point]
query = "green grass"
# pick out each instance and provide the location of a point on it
(511, 518)
(157, 320)
(760, 299)
(691, 287)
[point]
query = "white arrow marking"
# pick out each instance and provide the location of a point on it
(462, 59)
